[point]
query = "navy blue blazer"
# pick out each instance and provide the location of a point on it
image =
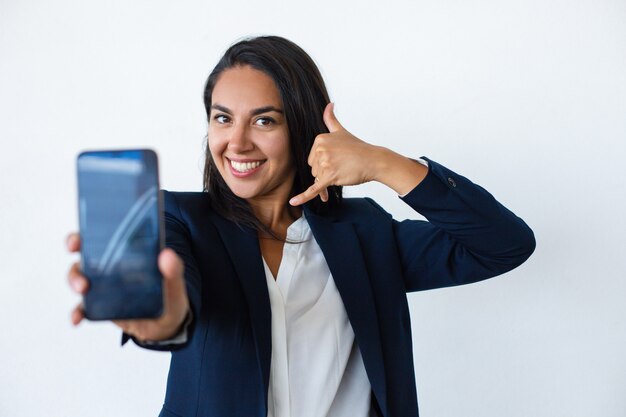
(223, 369)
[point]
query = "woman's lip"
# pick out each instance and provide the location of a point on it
(245, 160)
(245, 174)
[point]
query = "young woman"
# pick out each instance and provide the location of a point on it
(282, 298)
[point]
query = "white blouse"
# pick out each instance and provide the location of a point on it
(316, 369)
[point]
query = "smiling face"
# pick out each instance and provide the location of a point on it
(248, 136)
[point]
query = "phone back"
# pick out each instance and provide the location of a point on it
(121, 233)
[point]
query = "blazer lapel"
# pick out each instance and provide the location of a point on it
(340, 245)
(242, 245)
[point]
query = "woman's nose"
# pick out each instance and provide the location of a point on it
(239, 140)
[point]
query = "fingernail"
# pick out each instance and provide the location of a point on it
(293, 201)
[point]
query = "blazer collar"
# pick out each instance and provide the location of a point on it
(242, 245)
(342, 251)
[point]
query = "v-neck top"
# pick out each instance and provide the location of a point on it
(316, 366)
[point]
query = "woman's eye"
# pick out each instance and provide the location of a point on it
(264, 121)
(220, 118)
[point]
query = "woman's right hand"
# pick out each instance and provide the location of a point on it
(176, 302)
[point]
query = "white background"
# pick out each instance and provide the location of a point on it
(526, 97)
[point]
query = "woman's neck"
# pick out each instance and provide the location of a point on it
(276, 215)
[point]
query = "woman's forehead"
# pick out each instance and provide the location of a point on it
(244, 87)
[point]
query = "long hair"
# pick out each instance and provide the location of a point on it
(304, 98)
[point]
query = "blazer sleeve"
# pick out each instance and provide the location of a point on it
(469, 236)
(178, 238)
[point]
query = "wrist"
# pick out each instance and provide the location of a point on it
(382, 160)
(179, 337)
(397, 171)
(174, 327)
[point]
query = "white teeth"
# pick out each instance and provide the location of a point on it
(244, 166)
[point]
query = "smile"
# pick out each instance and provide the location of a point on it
(244, 167)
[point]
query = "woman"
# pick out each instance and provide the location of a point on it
(281, 297)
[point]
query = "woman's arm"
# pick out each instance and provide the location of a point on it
(469, 235)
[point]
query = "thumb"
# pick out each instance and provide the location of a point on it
(172, 269)
(171, 266)
(176, 303)
(330, 120)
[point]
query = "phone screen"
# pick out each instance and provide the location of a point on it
(120, 229)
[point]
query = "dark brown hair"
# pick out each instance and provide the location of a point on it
(304, 98)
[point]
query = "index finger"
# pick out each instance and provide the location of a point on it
(310, 193)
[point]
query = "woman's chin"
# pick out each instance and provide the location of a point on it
(244, 192)
(246, 195)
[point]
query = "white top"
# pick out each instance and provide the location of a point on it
(316, 368)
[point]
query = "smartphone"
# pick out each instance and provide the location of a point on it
(121, 230)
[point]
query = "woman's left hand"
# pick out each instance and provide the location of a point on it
(337, 158)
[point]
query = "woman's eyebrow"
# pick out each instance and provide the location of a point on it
(265, 109)
(221, 108)
(254, 112)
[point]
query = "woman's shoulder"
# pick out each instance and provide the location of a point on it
(189, 202)
(361, 208)
(187, 196)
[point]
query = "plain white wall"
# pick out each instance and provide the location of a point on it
(526, 97)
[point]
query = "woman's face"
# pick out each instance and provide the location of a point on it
(248, 135)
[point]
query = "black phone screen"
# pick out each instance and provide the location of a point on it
(120, 229)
